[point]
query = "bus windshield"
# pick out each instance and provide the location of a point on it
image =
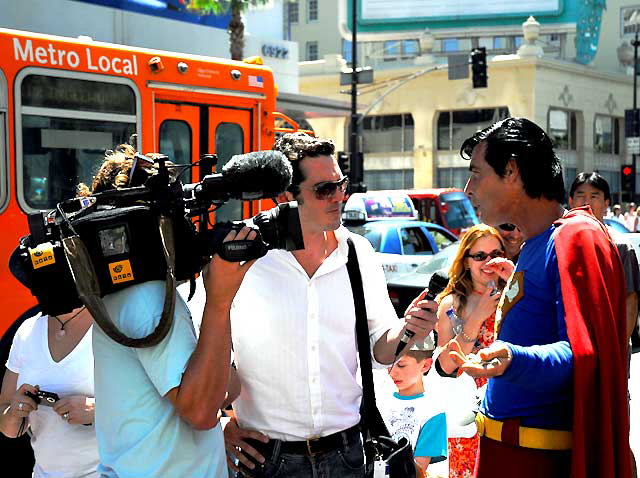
(458, 210)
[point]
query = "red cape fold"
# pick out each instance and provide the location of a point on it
(594, 293)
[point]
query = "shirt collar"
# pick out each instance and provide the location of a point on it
(336, 259)
(407, 397)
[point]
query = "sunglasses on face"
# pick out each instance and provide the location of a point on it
(508, 227)
(481, 255)
(328, 189)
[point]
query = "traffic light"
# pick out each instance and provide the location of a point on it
(479, 67)
(628, 180)
(344, 161)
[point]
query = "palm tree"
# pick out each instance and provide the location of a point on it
(236, 27)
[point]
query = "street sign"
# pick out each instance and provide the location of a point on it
(633, 145)
(458, 67)
(631, 122)
(365, 76)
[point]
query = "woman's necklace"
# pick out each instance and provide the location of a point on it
(61, 333)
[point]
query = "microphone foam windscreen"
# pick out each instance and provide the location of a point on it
(438, 282)
(268, 172)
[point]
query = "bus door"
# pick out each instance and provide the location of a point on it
(230, 133)
(178, 135)
(185, 131)
(4, 154)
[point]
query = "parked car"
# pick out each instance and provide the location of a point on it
(403, 245)
(406, 287)
(634, 239)
(388, 219)
(616, 225)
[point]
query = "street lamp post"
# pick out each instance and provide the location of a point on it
(353, 139)
(636, 127)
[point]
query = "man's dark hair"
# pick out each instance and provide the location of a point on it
(532, 150)
(298, 146)
(593, 179)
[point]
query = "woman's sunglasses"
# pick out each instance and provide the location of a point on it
(328, 189)
(481, 255)
(507, 227)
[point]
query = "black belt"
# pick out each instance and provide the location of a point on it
(312, 446)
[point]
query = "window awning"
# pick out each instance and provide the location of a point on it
(309, 106)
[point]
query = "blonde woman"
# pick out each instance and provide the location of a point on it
(467, 314)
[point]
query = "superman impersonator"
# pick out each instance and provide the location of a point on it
(555, 404)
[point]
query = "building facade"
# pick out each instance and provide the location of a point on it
(416, 117)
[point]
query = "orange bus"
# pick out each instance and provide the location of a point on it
(64, 101)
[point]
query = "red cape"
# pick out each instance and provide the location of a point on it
(594, 293)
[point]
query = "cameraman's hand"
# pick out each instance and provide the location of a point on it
(76, 409)
(236, 446)
(221, 278)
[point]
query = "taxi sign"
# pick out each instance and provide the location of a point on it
(379, 205)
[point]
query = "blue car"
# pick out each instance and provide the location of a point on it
(402, 245)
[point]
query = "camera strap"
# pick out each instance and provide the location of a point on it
(86, 281)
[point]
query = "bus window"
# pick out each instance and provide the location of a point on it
(458, 211)
(4, 159)
(63, 127)
(229, 142)
(175, 142)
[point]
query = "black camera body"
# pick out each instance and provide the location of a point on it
(127, 233)
(43, 397)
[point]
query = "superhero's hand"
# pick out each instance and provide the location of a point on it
(488, 362)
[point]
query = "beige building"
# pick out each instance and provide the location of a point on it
(416, 118)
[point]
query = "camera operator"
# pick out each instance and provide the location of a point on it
(156, 407)
(294, 341)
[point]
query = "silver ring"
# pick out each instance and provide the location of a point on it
(65, 415)
(20, 406)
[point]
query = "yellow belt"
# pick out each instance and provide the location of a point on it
(537, 438)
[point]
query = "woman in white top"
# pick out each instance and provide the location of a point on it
(631, 218)
(53, 354)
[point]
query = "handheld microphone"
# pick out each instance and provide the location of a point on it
(437, 284)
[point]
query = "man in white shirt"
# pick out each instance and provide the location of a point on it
(293, 333)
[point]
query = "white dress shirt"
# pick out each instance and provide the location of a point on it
(294, 341)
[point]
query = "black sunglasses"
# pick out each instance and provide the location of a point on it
(481, 255)
(508, 227)
(328, 189)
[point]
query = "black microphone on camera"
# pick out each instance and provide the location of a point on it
(437, 284)
(256, 175)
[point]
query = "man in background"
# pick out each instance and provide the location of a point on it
(593, 190)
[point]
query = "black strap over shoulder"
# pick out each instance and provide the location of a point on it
(371, 422)
(375, 436)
